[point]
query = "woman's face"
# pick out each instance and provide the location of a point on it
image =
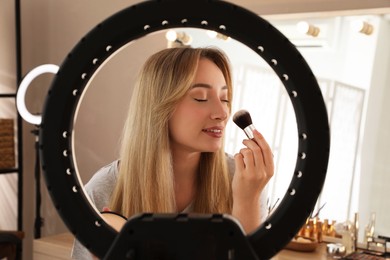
(199, 119)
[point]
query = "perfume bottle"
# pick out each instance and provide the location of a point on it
(356, 230)
(370, 229)
(346, 230)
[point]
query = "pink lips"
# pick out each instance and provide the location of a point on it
(216, 132)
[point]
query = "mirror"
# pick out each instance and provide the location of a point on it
(106, 110)
(352, 82)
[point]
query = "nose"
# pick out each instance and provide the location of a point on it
(220, 111)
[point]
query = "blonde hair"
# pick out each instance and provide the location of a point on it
(145, 182)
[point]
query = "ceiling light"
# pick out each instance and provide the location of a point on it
(212, 34)
(309, 29)
(362, 27)
(177, 39)
(171, 35)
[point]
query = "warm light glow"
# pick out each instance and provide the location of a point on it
(20, 96)
(184, 38)
(309, 29)
(171, 35)
(177, 39)
(362, 27)
(303, 27)
(212, 34)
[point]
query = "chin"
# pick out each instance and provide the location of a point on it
(213, 149)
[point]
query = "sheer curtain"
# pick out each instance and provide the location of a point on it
(261, 92)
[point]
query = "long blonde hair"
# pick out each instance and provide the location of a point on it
(145, 182)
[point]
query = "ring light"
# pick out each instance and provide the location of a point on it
(135, 22)
(20, 96)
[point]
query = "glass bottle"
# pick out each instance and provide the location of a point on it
(370, 229)
(325, 228)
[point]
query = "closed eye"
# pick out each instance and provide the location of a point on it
(200, 100)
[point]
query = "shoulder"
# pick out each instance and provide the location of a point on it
(104, 176)
(99, 188)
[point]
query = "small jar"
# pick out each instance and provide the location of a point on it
(336, 251)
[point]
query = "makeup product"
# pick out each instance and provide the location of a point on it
(243, 119)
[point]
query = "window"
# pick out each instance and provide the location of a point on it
(272, 114)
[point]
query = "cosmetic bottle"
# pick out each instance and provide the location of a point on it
(370, 229)
(348, 239)
(346, 230)
(325, 228)
(356, 230)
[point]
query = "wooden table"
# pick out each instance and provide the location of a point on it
(10, 244)
(318, 254)
(53, 247)
(60, 247)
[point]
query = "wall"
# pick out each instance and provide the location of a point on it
(50, 29)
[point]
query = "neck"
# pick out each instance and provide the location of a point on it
(185, 166)
(185, 170)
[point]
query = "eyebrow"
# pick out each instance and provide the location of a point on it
(203, 85)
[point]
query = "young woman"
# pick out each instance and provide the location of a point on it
(172, 157)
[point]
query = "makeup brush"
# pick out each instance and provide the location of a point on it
(243, 119)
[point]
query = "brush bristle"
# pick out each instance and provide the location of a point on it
(242, 118)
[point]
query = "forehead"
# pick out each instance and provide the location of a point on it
(208, 72)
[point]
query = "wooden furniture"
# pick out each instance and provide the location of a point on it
(318, 254)
(10, 244)
(60, 247)
(53, 247)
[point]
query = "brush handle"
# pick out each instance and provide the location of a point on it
(249, 131)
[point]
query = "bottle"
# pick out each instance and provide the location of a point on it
(345, 230)
(331, 230)
(370, 229)
(325, 228)
(355, 230)
(308, 232)
(348, 237)
(319, 231)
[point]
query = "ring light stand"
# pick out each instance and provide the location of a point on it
(183, 236)
(36, 121)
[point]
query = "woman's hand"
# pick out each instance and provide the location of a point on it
(254, 168)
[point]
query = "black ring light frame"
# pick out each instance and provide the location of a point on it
(203, 232)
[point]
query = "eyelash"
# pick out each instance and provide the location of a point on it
(204, 100)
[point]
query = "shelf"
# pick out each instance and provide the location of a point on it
(7, 95)
(9, 170)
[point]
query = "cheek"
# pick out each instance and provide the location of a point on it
(181, 119)
(186, 113)
(186, 118)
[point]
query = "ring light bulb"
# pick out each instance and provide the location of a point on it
(22, 90)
